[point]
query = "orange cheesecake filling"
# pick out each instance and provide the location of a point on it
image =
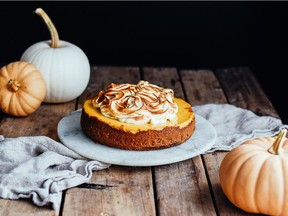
(184, 116)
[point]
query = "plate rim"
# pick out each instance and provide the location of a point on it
(128, 162)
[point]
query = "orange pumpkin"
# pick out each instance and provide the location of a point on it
(22, 88)
(254, 175)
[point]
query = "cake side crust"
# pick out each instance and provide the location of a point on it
(144, 140)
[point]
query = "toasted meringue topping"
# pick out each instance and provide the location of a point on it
(138, 104)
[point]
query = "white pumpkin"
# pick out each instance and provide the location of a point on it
(64, 66)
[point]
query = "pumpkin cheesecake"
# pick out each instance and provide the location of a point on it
(137, 117)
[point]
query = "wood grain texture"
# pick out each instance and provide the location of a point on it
(201, 87)
(181, 188)
(164, 77)
(115, 191)
(124, 190)
(43, 121)
(24, 207)
(212, 93)
(242, 90)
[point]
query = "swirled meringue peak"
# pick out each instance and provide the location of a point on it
(137, 104)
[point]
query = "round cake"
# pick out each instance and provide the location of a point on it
(137, 117)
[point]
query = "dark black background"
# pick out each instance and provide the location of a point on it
(188, 34)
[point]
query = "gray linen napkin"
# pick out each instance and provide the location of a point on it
(235, 125)
(40, 168)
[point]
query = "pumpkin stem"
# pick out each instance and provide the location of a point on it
(276, 148)
(53, 31)
(13, 85)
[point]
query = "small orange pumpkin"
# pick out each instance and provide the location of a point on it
(254, 175)
(22, 88)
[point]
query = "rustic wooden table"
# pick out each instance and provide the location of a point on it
(190, 187)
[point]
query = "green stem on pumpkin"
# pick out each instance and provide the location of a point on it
(53, 31)
(276, 148)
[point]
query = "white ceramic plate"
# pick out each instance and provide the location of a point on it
(71, 135)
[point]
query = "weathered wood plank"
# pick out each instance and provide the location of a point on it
(241, 89)
(24, 207)
(123, 190)
(211, 93)
(116, 191)
(201, 87)
(43, 121)
(165, 77)
(181, 188)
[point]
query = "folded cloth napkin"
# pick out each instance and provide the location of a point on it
(235, 125)
(40, 168)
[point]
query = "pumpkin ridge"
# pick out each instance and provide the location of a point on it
(238, 154)
(233, 151)
(257, 182)
(256, 143)
(9, 101)
(265, 209)
(27, 68)
(284, 185)
(262, 159)
(16, 107)
(33, 55)
(27, 103)
(14, 69)
(5, 73)
(22, 77)
(26, 76)
(285, 152)
(239, 173)
(32, 76)
(228, 162)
